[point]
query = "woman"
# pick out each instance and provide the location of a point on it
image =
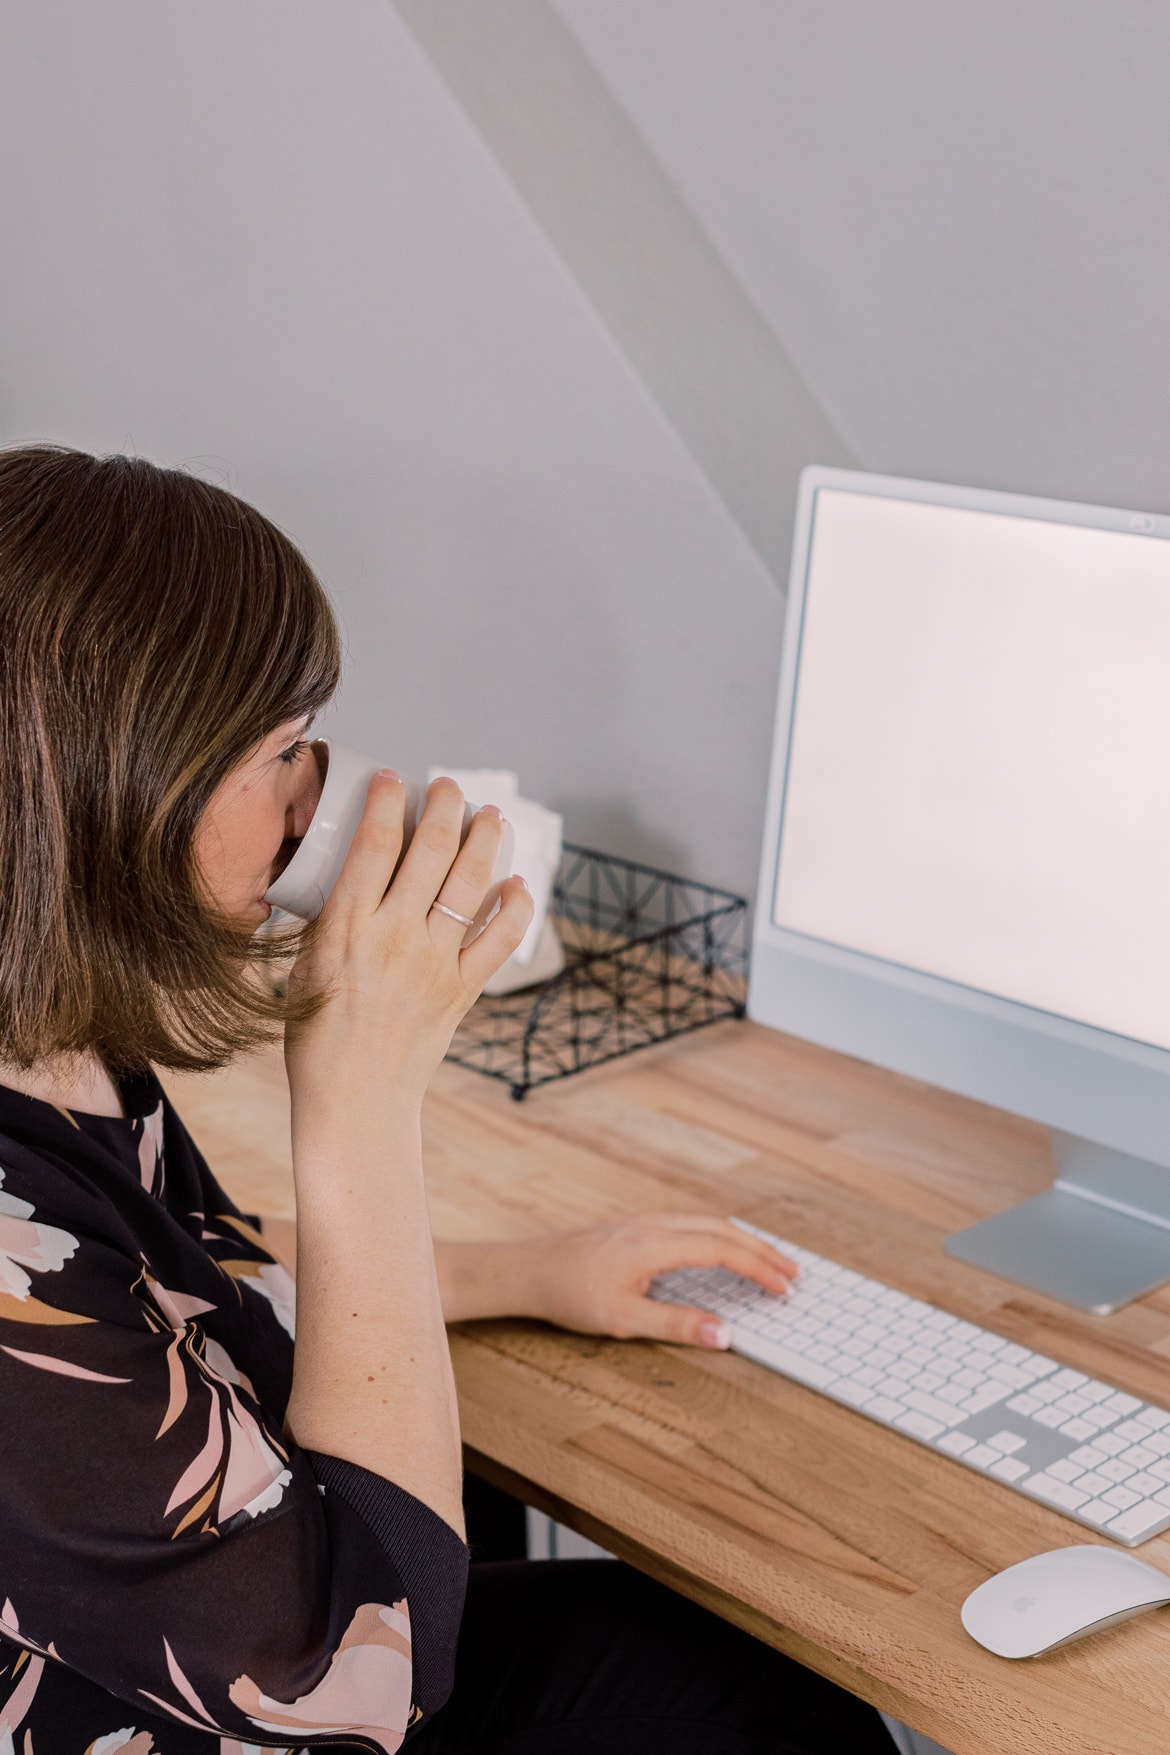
(209, 1539)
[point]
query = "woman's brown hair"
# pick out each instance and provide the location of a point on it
(153, 630)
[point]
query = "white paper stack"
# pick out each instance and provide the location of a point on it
(539, 832)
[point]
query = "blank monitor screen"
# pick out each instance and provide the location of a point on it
(978, 784)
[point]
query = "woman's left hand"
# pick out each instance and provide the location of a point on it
(596, 1280)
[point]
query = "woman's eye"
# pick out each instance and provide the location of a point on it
(294, 750)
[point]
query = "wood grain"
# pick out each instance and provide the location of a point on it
(833, 1539)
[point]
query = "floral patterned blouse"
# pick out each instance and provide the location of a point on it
(176, 1576)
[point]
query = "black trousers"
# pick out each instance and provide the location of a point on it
(588, 1657)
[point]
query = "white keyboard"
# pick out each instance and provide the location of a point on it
(1078, 1445)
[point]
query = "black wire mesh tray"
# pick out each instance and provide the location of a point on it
(648, 956)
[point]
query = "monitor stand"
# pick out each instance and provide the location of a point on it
(1098, 1239)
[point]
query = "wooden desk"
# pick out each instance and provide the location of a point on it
(837, 1541)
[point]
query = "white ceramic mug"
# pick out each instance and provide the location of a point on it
(314, 868)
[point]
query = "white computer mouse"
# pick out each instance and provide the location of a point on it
(1054, 1598)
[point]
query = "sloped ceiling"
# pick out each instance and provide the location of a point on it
(953, 213)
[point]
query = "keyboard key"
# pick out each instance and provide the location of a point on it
(1024, 1404)
(1140, 1455)
(856, 1394)
(1121, 1497)
(1158, 1442)
(1109, 1443)
(1155, 1418)
(796, 1365)
(1142, 1520)
(1011, 1375)
(841, 1362)
(883, 1408)
(1100, 1417)
(1095, 1392)
(943, 1412)
(1125, 1404)
(1009, 1468)
(982, 1456)
(1049, 1417)
(920, 1425)
(1056, 1492)
(1115, 1469)
(1089, 1455)
(1092, 1482)
(1007, 1442)
(1072, 1404)
(1046, 1392)
(956, 1442)
(1097, 1511)
(1078, 1428)
(1070, 1379)
(869, 1375)
(1145, 1485)
(1131, 1429)
(1066, 1470)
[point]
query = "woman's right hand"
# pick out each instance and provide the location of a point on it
(372, 1380)
(393, 970)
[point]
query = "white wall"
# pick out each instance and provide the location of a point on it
(953, 213)
(719, 372)
(263, 240)
(517, 344)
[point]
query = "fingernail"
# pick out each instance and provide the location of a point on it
(522, 881)
(715, 1334)
(389, 774)
(490, 810)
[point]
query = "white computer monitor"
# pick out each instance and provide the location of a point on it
(966, 856)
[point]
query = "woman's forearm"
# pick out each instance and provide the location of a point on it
(391, 976)
(475, 1279)
(488, 1279)
(372, 1378)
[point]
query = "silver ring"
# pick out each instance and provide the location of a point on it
(463, 919)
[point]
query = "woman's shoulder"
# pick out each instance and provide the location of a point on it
(92, 1208)
(125, 1179)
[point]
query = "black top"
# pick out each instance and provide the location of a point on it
(176, 1577)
